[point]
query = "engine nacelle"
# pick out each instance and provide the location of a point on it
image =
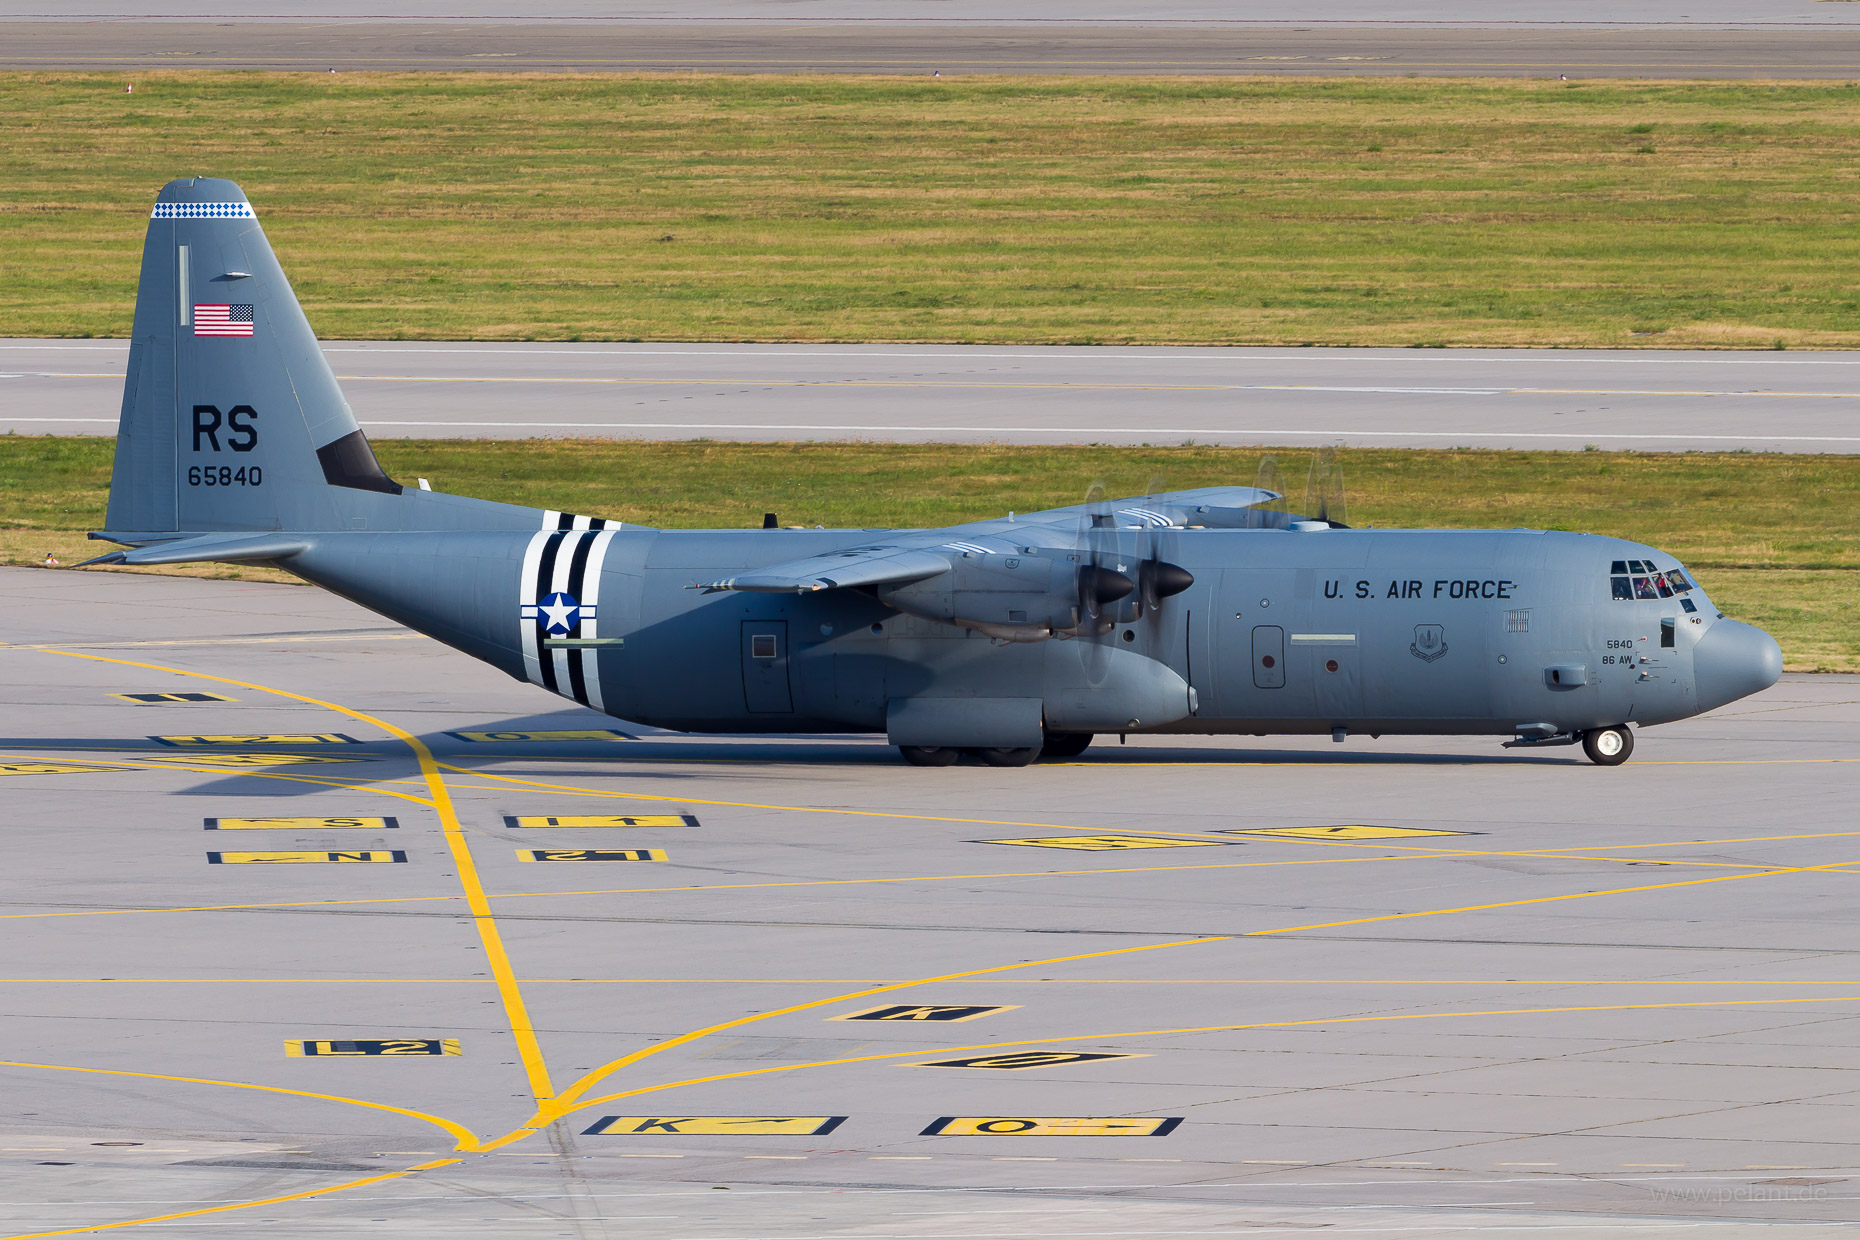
(1014, 597)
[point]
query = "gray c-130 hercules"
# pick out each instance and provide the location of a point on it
(1188, 612)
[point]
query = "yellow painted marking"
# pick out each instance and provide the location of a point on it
(1574, 895)
(307, 1048)
(1014, 1126)
(516, 821)
(302, 824)
(857, 981)
(590, 854)
(379, 856)
(571, 1099)
(570, 734)
(1357, 832)
(715, 1125)
(272, 738)
(1020, 1061)
(239, 1205)
(194, 760)
(523, 1030)
(166, 698)
(56, 768)
(466, 1139)
(1157, 1033)
(946, 1014)
(1106, 843)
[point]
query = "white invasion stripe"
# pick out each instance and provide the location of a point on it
(1328, 639)
(564, 561)
(526, 604)
(580, 523)
(550, 517)
(591, 590)
(202, 211)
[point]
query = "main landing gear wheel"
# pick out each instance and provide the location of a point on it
(1608, 746)
(925, 755)
(1060, 745)
(1007, 757)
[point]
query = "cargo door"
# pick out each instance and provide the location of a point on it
(765, 668)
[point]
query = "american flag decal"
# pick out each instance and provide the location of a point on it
(223, 320)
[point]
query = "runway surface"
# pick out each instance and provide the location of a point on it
(1823, 42)
(1596, 13)
(1521, 991)
(1764, 401)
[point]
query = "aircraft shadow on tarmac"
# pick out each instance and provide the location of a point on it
(860, 751)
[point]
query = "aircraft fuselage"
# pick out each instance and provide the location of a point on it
(1283, 631)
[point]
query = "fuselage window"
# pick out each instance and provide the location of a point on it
(1667, 627)
(1687, 604)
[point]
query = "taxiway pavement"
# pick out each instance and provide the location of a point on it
(1653, 401)
(1518, 992)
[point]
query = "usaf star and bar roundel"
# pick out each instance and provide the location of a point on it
(559, 613)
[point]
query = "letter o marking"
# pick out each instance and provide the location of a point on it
(1014, 1125)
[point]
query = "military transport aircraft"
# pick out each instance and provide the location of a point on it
(1202, 611)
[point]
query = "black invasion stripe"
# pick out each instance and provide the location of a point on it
(596, 523)
(545, 573)
(577, 571)
(564, 520)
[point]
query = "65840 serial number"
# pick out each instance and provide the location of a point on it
(224, 476)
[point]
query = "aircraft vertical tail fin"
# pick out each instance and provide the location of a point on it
(231, 419)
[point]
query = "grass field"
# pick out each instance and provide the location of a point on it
(1774, 539)
(1348, 211)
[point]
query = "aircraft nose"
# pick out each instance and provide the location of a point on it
(1734, 660)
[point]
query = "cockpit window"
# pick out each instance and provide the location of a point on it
(1643, 579)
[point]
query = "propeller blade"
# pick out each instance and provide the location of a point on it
(1324, 499)
(1273, 515)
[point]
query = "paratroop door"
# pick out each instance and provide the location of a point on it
(1268, 656)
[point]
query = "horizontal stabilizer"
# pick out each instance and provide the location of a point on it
(867, 566)
(209, 547)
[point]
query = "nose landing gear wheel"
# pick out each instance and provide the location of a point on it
(925, 755)
(1608, 746)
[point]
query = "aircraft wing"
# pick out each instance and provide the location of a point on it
(916, 555)
(1212, 506)
(856, 566)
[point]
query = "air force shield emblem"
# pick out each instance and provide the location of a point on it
(1430, 642)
